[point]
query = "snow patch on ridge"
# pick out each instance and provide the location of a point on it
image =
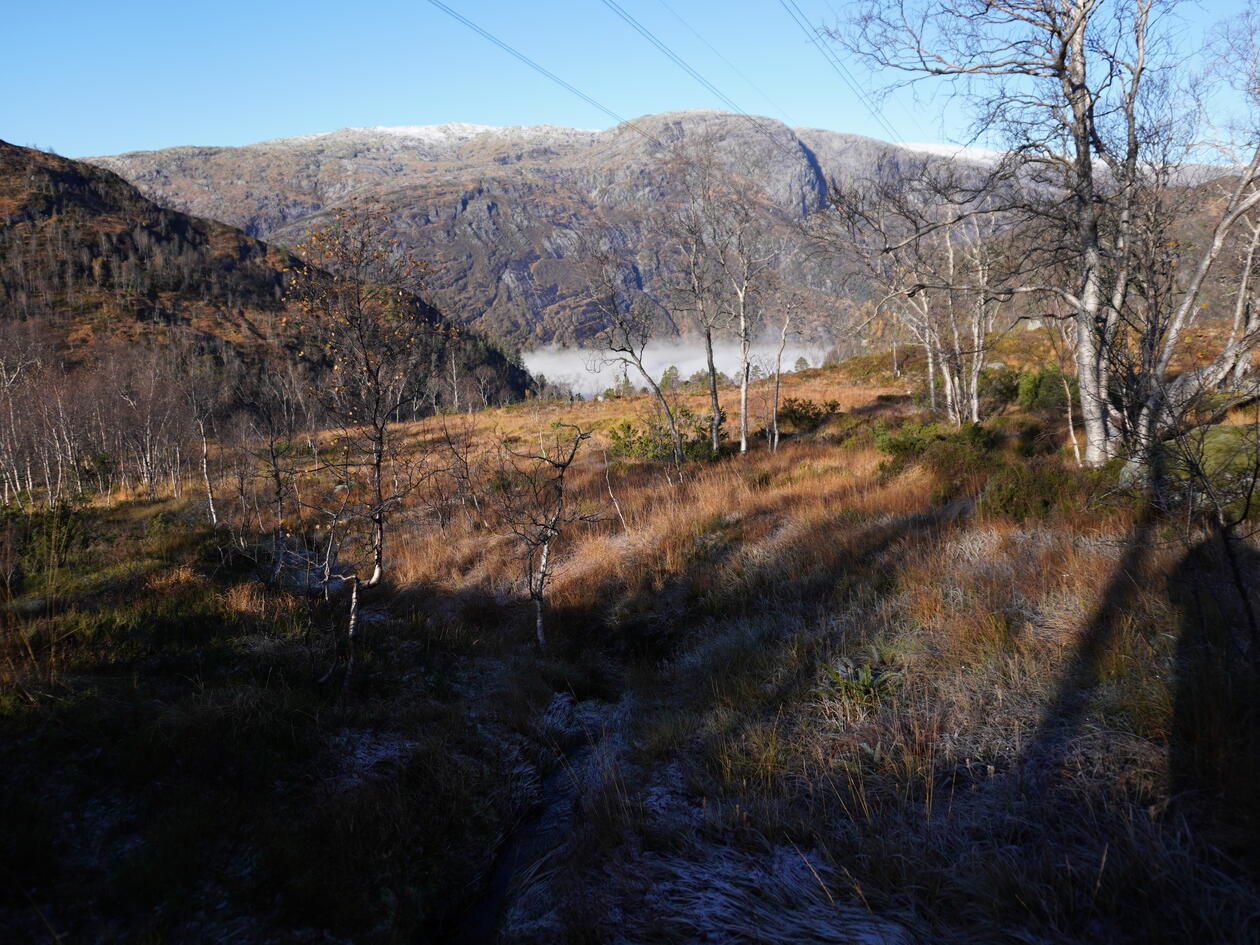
(449, 133)
(954, 151)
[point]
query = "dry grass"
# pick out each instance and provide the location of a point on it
(875, 695)
(970, 720)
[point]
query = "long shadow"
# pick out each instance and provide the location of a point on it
(1213, 748)
(1214, 755)
(1046, 751)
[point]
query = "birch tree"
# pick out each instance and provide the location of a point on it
(931, 255)
(631, 320)
(358, 318)
(535, 507)
(1084, 97)
(697, 284)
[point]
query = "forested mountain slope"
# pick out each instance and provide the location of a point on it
(88, 262)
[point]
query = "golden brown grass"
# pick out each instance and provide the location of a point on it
(958, 716)
(938, 696)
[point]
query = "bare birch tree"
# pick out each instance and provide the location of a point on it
(697, 284)
(1083, 95)
(631, 319)
(358, 315)
(931, 254)
(535, 507)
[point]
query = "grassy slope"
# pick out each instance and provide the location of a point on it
(988, 719)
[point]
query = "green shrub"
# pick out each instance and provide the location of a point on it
(959, 460)
(34, 546)
(806, 416)
(862, 683)
(907, 443)
(1037, 490)
(997, 388)
(652, 440)
(160, 523)
(1043, 389)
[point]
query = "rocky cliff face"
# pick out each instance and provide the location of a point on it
(498, 212)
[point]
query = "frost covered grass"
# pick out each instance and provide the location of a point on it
(971, 680)
(175, 769)
(944, 689)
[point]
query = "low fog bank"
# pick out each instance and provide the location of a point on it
(585, 371)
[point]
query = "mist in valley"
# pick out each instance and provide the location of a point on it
(589, 371)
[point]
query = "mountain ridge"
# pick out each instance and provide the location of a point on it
(498, 211)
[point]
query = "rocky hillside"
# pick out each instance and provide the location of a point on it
(497, 211)
(87, 258)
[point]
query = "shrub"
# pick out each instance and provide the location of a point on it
(653, 441)
(1021, 492)
(1038, 490)
(998, 388)
(907, 442)
(806, 416)
(39, 543)
(1043, 389)
(959, 460)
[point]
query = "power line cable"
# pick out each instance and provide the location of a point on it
(838, 66)
(543, 71)
(682, 64)
(914, 114)
(734, 68)
(801, 20)
(831, 53)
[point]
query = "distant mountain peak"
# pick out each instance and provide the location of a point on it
(498, 211)
(447, 134)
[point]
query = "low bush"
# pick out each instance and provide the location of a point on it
(1043, 389)
(1044, 488)
(997, 389)
(959, 460)
(806, 416)
(907, 442)
(652, 440)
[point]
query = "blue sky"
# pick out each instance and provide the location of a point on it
(90, 78)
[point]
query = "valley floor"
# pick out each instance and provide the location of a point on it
(890, 683)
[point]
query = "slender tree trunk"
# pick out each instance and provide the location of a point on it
(351, 630)
(612, 495)
(277, 542)
(378, 511)
(931, 373)
(715, 420)
(454, 381)
(205, 475)
(1071, 422)
(745, 369)
(1092, 324)
(543, 566)
(778, 371)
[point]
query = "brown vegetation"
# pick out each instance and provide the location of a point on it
(961, 706)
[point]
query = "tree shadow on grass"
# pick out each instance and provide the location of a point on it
(1214, 755)
(1046, 751)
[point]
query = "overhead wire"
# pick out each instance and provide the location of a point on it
(801, 20)
(682, 64)
(734, 68)
(541, 70)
